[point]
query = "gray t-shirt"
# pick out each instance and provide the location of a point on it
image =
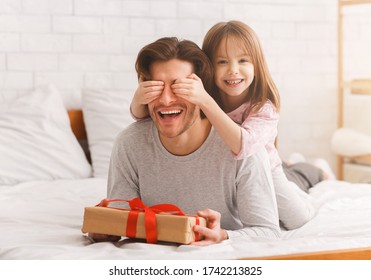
(241, 190)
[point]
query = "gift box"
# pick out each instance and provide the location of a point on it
(163, 222)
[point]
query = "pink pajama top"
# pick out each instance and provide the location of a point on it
(258, 130)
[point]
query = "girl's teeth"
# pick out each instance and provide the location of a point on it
(234, 82)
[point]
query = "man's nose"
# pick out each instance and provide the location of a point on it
(167, 96)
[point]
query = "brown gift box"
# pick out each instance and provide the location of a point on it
(171, 228)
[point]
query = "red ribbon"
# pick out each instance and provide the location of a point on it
(136, 207)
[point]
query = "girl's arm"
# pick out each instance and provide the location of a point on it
(259, 130)
(193, 91)
(146, 92)
(227, 129)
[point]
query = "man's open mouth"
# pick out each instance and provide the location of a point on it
(169, 114)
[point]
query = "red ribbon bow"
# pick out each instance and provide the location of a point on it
(136, 207)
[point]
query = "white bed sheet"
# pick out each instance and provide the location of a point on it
(42, 220)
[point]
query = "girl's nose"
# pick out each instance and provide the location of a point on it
(233, 68)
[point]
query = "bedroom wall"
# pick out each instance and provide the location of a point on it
(93, 43)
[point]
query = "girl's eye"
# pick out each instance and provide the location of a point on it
(244, 60)
(221, 62)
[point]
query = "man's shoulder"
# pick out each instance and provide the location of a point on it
(135, 131)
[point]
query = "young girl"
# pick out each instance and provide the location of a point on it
(244, 107)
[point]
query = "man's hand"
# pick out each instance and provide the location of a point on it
(213, 233)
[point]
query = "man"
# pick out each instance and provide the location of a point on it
(177, 157)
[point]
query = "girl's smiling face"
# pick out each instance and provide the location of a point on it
(234, 71)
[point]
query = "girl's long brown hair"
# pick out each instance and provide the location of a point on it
(262, 88)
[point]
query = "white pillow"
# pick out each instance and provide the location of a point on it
(36, 140)
(350, 143)
(106, 113)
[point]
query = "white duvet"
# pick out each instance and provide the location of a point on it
(42, 220)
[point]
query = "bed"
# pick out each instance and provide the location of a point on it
(42, 196)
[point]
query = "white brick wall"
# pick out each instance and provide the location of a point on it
(2, 62)
(93, 43)
(47, 7)
(77, 24)
(32, 62)
(24, 23)
(46, 43)
(98, 7)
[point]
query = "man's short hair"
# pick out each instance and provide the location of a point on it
(168, 48)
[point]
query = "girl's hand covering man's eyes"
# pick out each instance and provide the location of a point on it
(191, 89)
(148, 91)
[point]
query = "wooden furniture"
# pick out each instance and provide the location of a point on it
(356, 86)
(77, 124)
(78, 128)
(348, 254)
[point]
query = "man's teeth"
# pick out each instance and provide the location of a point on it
(233, 82)
(171, 112)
